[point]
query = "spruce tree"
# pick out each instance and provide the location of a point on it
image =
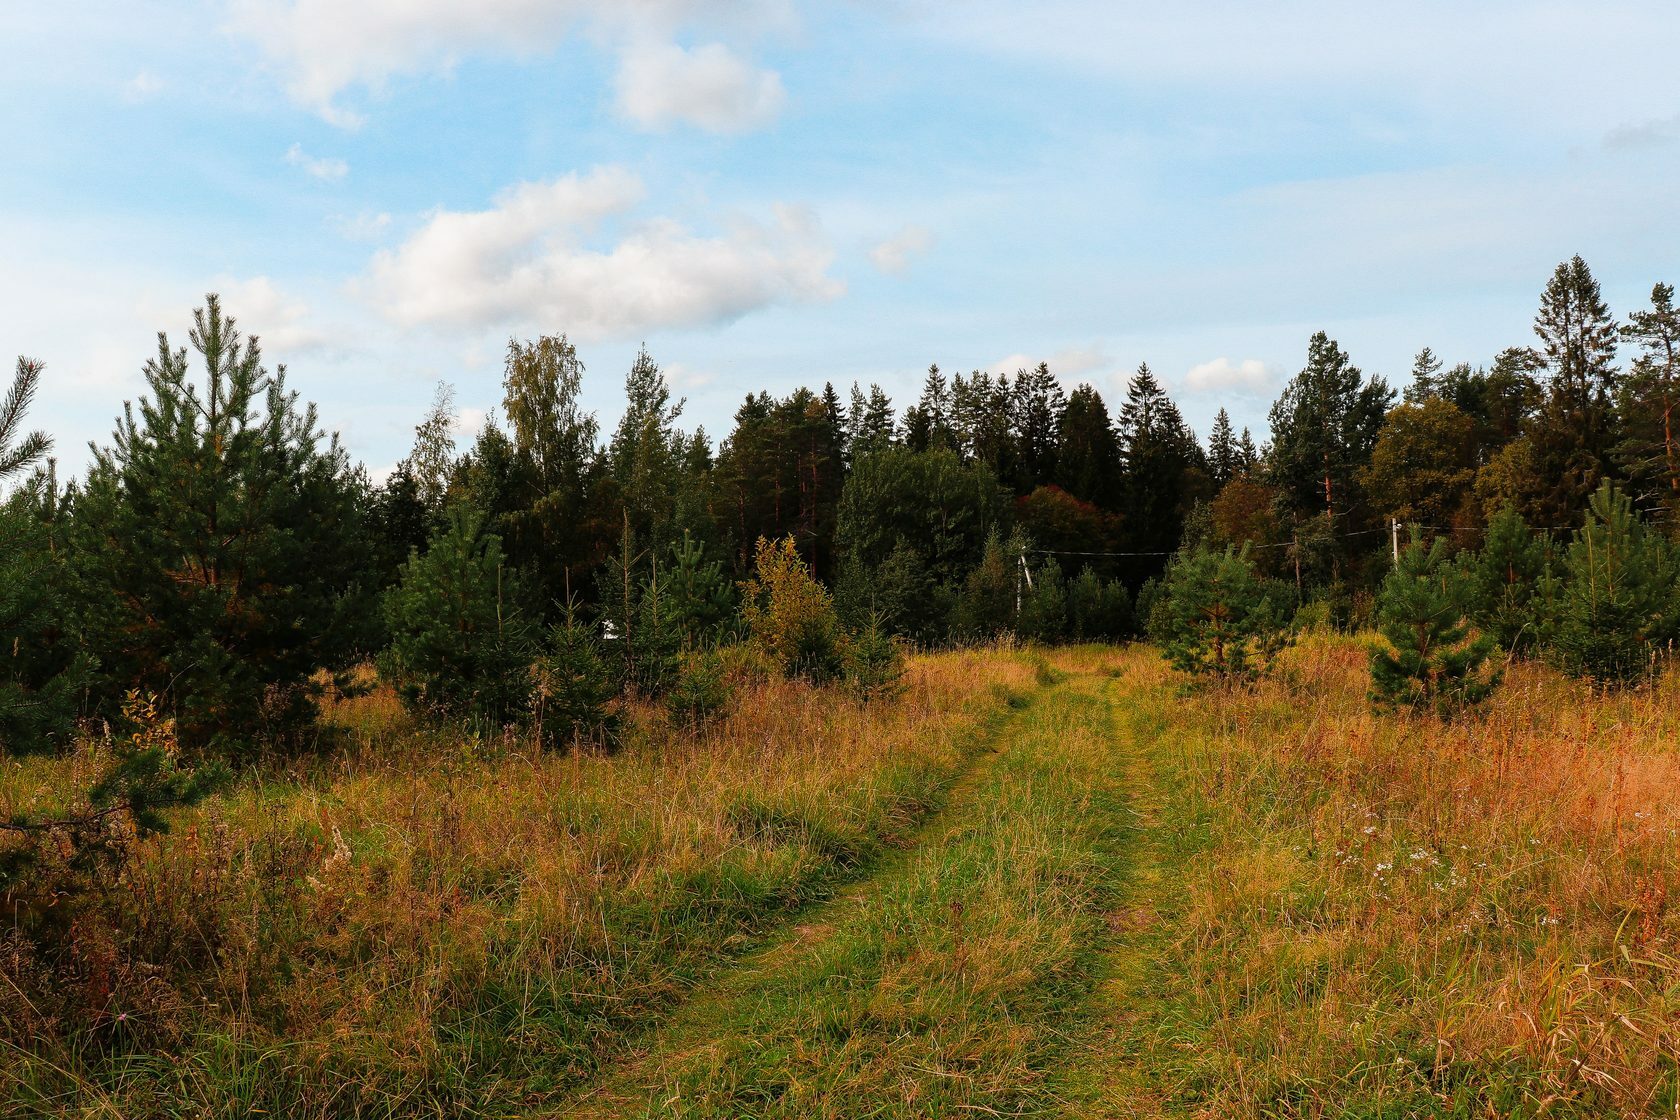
(1222, 450)
(1432, 657)
(218, 546)
(1621, 594)
(1158, 452)
(1044, 607)
(1574, 433)
(1037, 406)
(1504, 582)
(1087, 455)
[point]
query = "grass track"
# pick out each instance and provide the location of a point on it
(945, 983)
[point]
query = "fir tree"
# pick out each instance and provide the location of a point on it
(1159, 454)
(1432, 657)
(1087, 456)
(1037, 406)
(927, 423)
(1621, 594)
(218, 546)
(1426, 369)
(572, 687)
(1573, 435)
(1222, 453)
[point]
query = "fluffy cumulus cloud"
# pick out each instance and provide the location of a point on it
(709, 86)
(328, 169)
(282, 322)
(324, 47)
(1222, 374)
(527, 259)
(895, 255)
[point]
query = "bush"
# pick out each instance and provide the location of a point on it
(459, 648)
(1214, 617)
(986, 607)
(1098, 610)
(791, 616)
(1621, 594)
(1432, 659)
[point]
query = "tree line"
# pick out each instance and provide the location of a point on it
(224, 558)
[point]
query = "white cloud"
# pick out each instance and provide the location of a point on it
(282, 323)
(324, 47)
(1248, 375)
(893, 256)
(709, 86)
(524, 261)
(142, 87)
(327, 169)
(1064, 363)
(469, 422)
(681, 376)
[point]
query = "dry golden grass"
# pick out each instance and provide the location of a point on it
(419, 925)
(1466, 917)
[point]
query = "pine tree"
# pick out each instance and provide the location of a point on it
(20, 451)
(218, 546)
(460, 646)
(1621, 594)
(1213, 616)
(1504, 581)
(1426, 369)
(42, 672)
(1650, 400)
(1324, 427)
(699, 599)
(1036, 408)
(645, 454)
(1432, 657)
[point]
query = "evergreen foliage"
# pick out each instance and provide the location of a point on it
(1432, 658)
(43, 671)
(1505, 579)
(1213, 616)
(1324, 428)
(218, 547)
(573, 686)
(1621, 594)
(460, 647)
(1044, 606)
(874, 664)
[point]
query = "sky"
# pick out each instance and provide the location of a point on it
(771, 193)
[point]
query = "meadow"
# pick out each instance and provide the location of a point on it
(1039, 882)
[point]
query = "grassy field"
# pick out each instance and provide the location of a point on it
(1040, 884)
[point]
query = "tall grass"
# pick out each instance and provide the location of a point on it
(1395, 915)
(420, 925)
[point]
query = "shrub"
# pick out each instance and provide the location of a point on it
(790, 615)
(459, 648)
(1098, 610)
(1432, 658)
(986, 607)
(1621, 594)
(1214, 617)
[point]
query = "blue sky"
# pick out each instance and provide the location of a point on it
(770, 193)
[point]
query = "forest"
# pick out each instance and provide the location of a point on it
(225, 603)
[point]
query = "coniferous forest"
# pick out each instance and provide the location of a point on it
(211, 604)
